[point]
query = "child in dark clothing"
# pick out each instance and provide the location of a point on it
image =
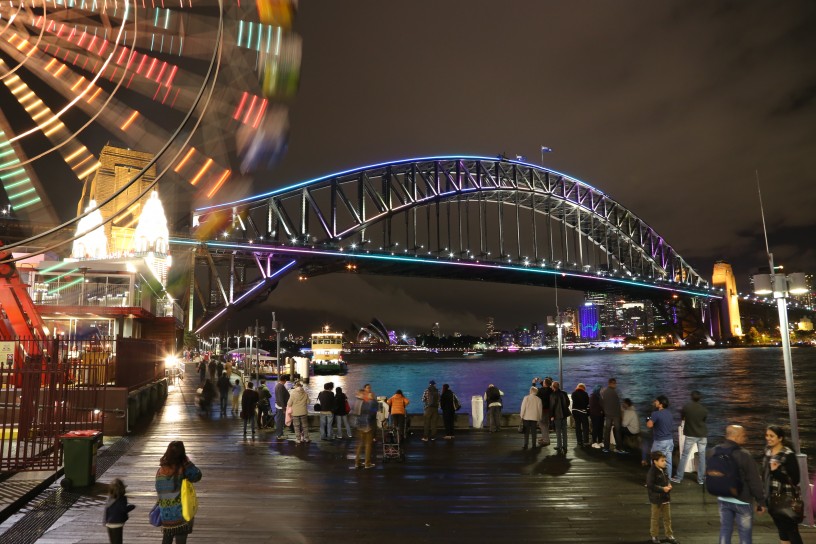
(116, 511)
(659, 487)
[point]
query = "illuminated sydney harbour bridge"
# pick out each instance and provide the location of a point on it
(458, 217)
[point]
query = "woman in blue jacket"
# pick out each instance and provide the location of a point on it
(174, 467)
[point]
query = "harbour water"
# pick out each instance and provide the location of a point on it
(742, 386)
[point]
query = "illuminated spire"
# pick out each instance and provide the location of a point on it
(94, 244)
(151, 232)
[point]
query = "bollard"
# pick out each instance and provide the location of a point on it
(477, 411)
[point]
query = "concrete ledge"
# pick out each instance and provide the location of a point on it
(39, 483)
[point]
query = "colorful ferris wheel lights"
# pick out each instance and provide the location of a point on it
(183, 161)
(218, 184)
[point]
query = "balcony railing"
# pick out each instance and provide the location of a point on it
(87, 294)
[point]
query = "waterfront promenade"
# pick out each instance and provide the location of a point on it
(480, 487)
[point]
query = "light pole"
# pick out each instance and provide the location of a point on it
(248, 360)
(277, 329)
(560, 324)
(782, 285)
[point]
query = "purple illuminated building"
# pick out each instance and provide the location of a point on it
(589, 321)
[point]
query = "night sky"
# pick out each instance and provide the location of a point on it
(669, 107)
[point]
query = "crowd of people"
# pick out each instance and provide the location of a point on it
(602, 420)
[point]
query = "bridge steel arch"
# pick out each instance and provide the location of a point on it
(462, 209)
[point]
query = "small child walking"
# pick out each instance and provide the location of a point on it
(116, 511)
(659, 488)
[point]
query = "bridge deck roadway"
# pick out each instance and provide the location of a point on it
(477, 488)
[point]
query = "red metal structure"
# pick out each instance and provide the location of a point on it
(20, 318)
(47, 385)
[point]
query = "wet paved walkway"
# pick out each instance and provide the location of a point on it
(480, 487)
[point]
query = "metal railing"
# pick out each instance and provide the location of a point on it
(58, 385)
(83, 294)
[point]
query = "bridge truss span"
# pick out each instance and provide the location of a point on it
(458, 209)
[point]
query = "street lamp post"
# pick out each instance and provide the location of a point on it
(782, 285)
(277, 328)
(248, 360)
(560, 350)
(559, 324)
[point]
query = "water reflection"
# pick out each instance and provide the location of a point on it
(742, 386)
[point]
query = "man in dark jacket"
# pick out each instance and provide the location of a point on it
(264, 404)
(430, 402)
(611, 404)
(493, 402)
(224, 386)
(695, 433)
(740, 509)
(249, 402)
(580, 414)
(281, 398)
(326, 401)
(544, 393)
(559, 412)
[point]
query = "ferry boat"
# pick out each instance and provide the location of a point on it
(327, 357)
(471, 353)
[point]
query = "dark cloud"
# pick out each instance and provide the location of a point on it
(799, 99)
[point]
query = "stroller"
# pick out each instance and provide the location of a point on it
(392, 448)
(266, 420)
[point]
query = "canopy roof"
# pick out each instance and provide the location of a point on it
(248, 351)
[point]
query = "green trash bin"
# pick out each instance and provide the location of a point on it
(79, 457)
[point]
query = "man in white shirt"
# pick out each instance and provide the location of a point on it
(630, 424)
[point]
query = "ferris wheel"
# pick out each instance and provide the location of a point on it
(202, 86)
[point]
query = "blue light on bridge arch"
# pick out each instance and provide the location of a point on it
(401, 161)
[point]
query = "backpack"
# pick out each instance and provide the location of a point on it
(723, 477)
(264, 395)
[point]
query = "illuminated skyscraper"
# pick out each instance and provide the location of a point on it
(589, 322)
(435, 331)
(606, 310)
